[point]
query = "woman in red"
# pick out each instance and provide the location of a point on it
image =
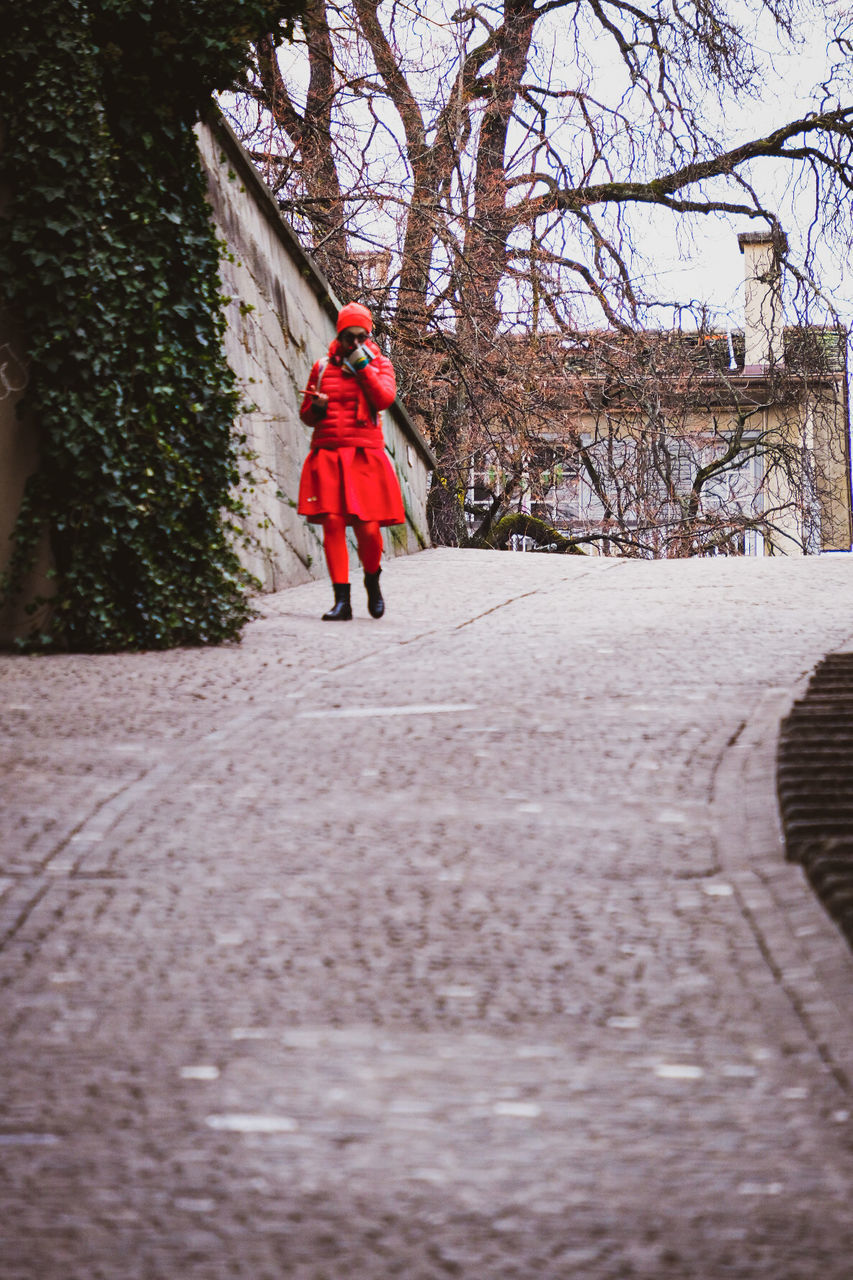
(348, 478)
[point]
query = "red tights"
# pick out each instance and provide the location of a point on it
(368, 538)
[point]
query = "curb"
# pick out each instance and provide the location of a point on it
(815, 784)
(804, 951)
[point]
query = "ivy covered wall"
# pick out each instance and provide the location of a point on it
(109, 269)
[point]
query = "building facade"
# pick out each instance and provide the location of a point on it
(665, 443)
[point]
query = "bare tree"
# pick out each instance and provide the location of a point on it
(658, 444)
(484, 172)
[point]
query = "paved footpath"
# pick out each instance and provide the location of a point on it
(455, 944)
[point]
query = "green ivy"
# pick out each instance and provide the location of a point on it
(111, 275)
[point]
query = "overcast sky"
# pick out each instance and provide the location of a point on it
(679, 258)
(703, 258)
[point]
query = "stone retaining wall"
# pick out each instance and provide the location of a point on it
(281, 318)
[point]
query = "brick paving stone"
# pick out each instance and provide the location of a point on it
(458, 944)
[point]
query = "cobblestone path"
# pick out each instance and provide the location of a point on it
(457, 944)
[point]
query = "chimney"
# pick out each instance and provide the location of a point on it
(763, 320)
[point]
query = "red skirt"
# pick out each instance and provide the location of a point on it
(358, 483)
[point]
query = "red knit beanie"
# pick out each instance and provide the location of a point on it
(355, 316)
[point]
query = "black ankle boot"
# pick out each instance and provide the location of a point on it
(341, 610)
(375, 603)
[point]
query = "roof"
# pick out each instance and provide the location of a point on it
(820, 351)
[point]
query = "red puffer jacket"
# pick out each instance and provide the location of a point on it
(354, 401)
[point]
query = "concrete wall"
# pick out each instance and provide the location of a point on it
(281, 318)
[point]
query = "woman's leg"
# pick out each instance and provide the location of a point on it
(337, 559)
(369, 538)
(335, 547)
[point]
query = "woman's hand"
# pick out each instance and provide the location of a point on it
(358, 359)
(319, 403)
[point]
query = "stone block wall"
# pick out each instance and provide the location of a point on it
(281, 318)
